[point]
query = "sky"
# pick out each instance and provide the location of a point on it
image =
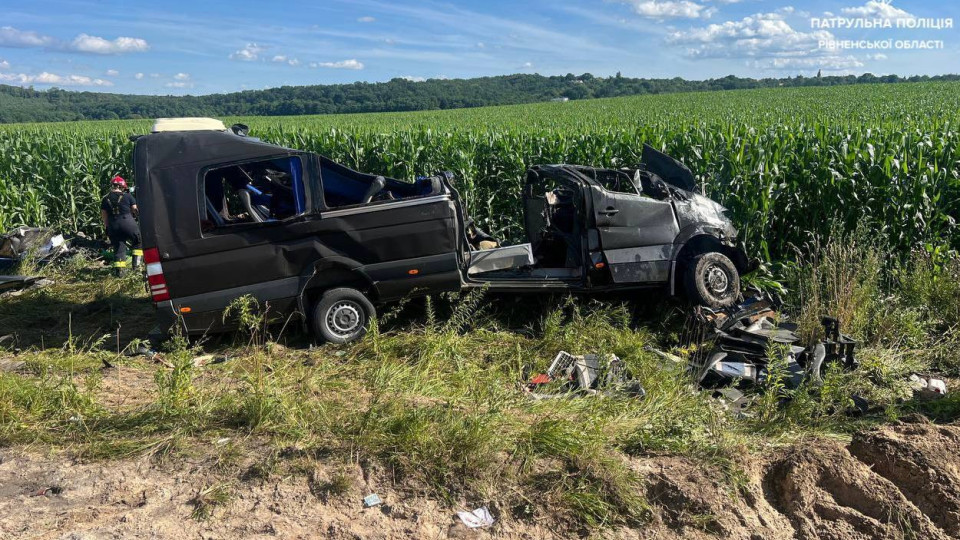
(202, 47)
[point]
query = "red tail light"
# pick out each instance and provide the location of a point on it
(158, 284)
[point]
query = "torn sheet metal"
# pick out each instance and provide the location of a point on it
(743, 336)
(10, 283)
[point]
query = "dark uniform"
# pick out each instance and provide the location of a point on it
(122, 227)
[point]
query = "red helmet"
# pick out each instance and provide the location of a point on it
(119, 181)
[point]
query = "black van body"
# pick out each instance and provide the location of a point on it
(224, 215)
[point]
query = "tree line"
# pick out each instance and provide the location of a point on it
(19, 104)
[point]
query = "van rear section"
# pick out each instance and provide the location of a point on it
(224, 216)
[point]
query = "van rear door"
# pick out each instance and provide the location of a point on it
(636, 232)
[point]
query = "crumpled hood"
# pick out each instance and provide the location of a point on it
(699, 209)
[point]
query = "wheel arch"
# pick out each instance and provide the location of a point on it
(703, 239)
(331, 273)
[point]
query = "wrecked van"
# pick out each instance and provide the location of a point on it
(223, 214)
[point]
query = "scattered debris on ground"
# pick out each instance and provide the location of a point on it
(43, 245)
(926, 388)
(572, 375)
(746, 335)
(476, 519)
(17, 285)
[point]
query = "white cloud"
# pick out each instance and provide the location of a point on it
(481, 45)
(826, 63)
(154, 75)
(671, 9)
(179, 84)
(283, 59)
(249, 53)
(877, 9)
(138, 76)
(367, 19)
(765, 41)
(527, 65)
(762, 34)
(877, 56)
(46, 78)
(11, 37)
(411, 78)
(99, 45)
(182, 76)
(343, 64)
(4, 64)
(112, 72)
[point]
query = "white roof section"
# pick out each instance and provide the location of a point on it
(188, 124)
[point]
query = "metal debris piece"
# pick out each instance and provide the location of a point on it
(743, 335)
(372, 500)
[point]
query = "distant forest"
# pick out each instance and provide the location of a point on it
(28, 105)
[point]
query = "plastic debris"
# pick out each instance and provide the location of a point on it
(372, 500)
(927, 388)
(585, 374)
(476, 519)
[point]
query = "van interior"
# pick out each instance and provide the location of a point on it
(343, 187)
(554, 232)
(553, 226)
(252, 192)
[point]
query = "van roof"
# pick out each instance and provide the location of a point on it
(188, 124)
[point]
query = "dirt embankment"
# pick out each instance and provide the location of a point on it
(897, 481)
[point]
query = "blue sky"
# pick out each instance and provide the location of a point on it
(201, 47)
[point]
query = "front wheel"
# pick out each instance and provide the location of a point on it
(712, 280)
(342, 315)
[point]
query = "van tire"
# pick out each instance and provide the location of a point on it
(341, 315)
(712, 280)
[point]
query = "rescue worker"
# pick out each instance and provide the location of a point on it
(118, 212)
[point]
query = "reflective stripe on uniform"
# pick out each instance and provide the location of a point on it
(120, 264)
(137, 253)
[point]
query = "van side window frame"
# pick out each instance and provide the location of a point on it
(326, 208)
(204, 206)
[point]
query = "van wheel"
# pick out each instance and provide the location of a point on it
(342, 315)
(712, 280)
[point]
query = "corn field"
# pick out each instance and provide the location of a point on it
(788, 163)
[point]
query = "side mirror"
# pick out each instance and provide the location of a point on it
(240, 129)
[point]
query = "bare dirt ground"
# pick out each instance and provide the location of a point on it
(897, 481)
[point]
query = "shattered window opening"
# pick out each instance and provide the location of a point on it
(253, 192)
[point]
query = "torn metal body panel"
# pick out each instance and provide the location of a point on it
(224, 215)
(744, 337)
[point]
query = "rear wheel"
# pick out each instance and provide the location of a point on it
(342, 315)
(711, 279)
